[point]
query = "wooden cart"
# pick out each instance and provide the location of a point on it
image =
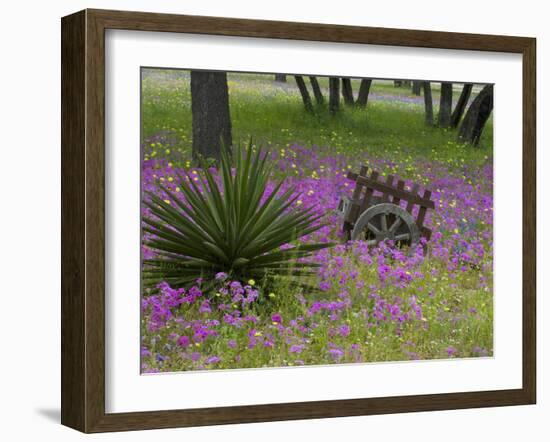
(380, 210)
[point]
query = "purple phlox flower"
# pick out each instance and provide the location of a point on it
(296, 349)
(212, 360)
(205, 307)
(451, 351)
(221, 276)
(184, 341)
(336, 353)
(344, 330)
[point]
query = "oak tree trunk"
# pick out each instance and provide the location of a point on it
(210, 114)
(334, 95)
(477, 115)
(304, 92)
(363, 95)
(416, 86)
(461, 105)
(347, 91)
(428, 104)
(319, 99)
(445, 105)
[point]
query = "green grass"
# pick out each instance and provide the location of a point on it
(272, 114)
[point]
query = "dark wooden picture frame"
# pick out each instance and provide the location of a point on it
(83, 220)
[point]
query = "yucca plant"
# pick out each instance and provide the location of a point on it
(234, 227)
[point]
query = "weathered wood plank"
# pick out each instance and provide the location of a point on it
(411, 201)
(422, 210)
(356, 198)
(400, 186)
(426, 233)
(368, 194)
(389, 183)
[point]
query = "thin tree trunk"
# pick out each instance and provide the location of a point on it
(280, 77)
(304, 92)
(445, 105)
(319, 99)
(347, 91)
(428, 104)
(461, 105)
(334, 95)
(416, 86)
(364, 89)
(210, 114)
(477, 115)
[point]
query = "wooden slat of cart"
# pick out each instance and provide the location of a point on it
(412, 201)
(389, 183)
(369, 191)
(400, 186)
(426, 233)
(354, 210)
(422, 210)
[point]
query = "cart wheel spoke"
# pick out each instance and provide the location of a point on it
(373, 229)
(396, 224)
(371, 242)
(403, 237)
(384, 222)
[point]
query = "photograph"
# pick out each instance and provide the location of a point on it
(302, 220)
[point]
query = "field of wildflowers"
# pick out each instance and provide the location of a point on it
(371, 303)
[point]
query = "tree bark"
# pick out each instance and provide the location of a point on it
(347, 91)
(334, 95)
(477, 115)
(416, 86)
(428, 104)
(319, 99)
(445, 105)
(210, 114)
(280, 77)
(461, 105)
(363, 95)
(304, 92)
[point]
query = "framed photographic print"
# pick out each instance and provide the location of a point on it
(267, 221)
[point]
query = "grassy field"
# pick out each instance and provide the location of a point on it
(373, 304)
(271, 114)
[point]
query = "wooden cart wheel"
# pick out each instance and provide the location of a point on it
(386, 221)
